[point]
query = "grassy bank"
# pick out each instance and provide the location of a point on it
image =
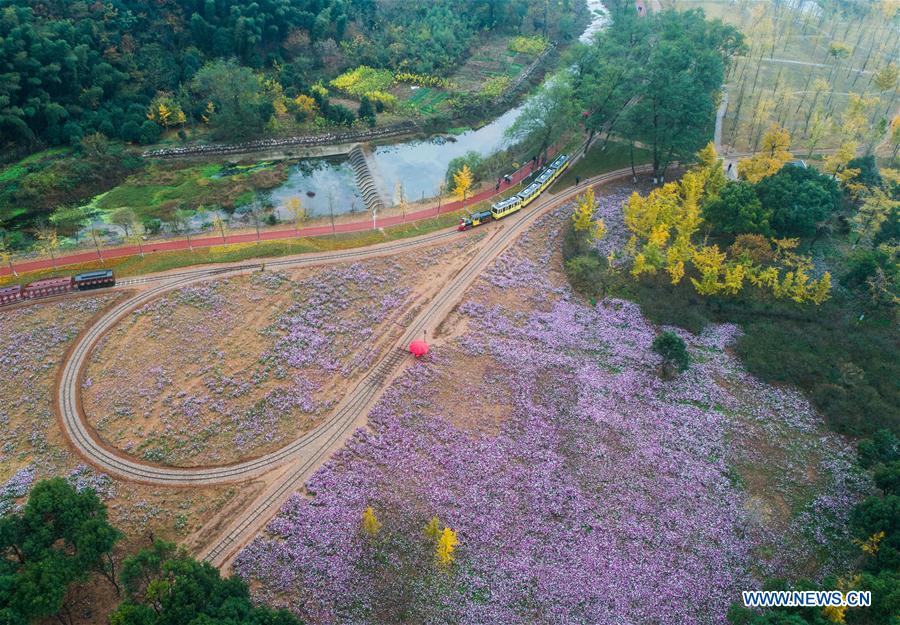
(599, 161)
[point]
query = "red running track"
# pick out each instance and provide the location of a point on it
(265, 235)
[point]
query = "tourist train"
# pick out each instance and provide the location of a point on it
(522, 199)
(57, 286)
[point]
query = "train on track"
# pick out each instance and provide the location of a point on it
(57, 286)
(519, 201)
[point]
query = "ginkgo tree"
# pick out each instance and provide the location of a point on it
(462, 183)
(583, 217)
(664, 228)
(773, 155)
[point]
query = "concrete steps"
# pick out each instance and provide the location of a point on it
(367, 179)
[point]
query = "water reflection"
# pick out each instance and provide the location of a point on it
(328, 180)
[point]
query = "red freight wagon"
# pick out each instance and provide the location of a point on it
(51, 286)
(10, 294)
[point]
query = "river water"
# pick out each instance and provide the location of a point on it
(419, 166)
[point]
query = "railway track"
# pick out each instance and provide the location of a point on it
(306, 453)
(114, 462)
(242, 529)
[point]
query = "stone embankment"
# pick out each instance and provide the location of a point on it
(263, 145)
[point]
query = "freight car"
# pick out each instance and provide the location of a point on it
(48, 287)
(522, 199)
(10, 294)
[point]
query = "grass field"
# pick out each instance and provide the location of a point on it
(597, 161)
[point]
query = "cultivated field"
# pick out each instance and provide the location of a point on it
(579, 483)
(225, 370)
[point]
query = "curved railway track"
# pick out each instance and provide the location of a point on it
(308, 451)
(69, 389)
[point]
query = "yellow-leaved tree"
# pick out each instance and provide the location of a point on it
(836, 163)
(446, 546)
(664, 226)
(165, 111)
(774, 152)
(709, 165)
(462, 183)
(296, 209)
(584, 211)
(583, 217)
(370, 522)
(433, 529)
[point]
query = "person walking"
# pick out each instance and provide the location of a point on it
(577, 180)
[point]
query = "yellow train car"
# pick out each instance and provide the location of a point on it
(527, 195)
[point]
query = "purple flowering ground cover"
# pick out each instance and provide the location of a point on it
(33, 340)
(583, 488)
(229, 369)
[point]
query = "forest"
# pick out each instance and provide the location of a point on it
(70, 69)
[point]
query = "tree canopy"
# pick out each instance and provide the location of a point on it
(59, 537)
(166, 587)
(656, 79)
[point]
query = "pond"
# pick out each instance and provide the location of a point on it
(319, 183)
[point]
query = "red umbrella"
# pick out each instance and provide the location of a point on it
(418, 348)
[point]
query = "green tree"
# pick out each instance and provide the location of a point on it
(737, 210)
(165, 586)
(545, 117)
(241, 107)
(674, 101)
(59, 538)
(673, 351)
(798, 198)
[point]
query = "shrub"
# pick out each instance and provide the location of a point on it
(382, 100)
(737, 210)
(754, 248)
(495, 87)
(422, 80)
(673, 351)
(585, 274)
(798, 198)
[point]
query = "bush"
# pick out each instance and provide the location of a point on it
(495, 87)
(585, 274)
(673, 351)
(528, 45)
(363, 79)
(754, 248)
(737, 210)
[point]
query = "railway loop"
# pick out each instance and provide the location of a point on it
(307, 452)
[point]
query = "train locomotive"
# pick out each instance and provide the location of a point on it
(57, 286)
(519, 201)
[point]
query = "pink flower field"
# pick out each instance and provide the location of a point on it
(228, 369)
(582, 487)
